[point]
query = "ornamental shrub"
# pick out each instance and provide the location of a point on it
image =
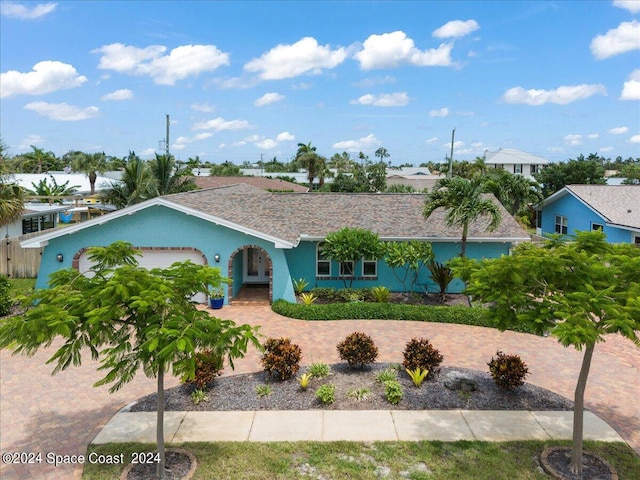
(358, 349)
(419, 353)
(393, 391)
(326, 393)
(209, 365)
(5, 296)
(508, 371)
(281, 357)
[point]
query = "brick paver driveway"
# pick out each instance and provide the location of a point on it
(62, 414)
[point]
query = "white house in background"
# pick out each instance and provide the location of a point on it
(35, 217)
(515, 161)
(78, 180)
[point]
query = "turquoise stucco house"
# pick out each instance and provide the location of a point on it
(614, 209)
(262, 238)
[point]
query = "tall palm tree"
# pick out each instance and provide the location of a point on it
(341, 162)
(382, 153)
(513, 191)
(11, 202)
(38, 160)
(311, 161)
(90, 163)
(463, 200)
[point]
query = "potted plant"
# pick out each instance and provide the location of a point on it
(216, 298)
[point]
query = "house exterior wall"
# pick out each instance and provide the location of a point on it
(580, 217)
(302, 264)
(163, 227)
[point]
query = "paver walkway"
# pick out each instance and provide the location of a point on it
(62, 414)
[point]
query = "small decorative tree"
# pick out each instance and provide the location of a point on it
(577, 291)
(350, 245)
(406, 259)
(129, 318)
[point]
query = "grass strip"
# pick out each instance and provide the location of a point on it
(360, 461)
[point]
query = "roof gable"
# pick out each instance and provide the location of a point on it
(512, 156)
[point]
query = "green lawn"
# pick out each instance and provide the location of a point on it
(353, 460)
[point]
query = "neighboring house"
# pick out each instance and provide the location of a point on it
(35, 217)
(269, 184)
(263, 238)
(79, 180)
(614, 209)
(515, 161)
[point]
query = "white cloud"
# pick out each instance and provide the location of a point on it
(218, 124)
(180, 63)
(268, 99)
(63, 112)
(32, 139)
(631, 88)
(605, 149)
(431, 140)
(148, 152)
(624, 38)
(632, 5)
(456, 29)
(46, 77)
(267, 144)
(561, 96)
(399, 99)
(15, 10)
(618, 130)
(375, 81)
(394, 49)
(443, 112)
(196, 138)
(202, 107)
(358, 145)
(303, 57)
(573, 139)
(593, 136)
(635, 139)
(122, 94)
(285, 137)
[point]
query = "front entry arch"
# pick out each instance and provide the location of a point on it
(250, 266)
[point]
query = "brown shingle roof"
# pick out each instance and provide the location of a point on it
(292, 216)
(618, 204)
(270, 184)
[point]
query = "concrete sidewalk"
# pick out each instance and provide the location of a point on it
(358, 425)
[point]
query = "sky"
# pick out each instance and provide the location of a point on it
(245, 80)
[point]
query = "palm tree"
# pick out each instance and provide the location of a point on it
(168, 178)
(11, 201)
(44, 189)
(463, 200)
(513, 191)
(341, 162)
(38, 160)
(136, 184)
(311, 161)
(90, 163)
(382, 153)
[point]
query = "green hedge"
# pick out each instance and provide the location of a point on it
(389, 311)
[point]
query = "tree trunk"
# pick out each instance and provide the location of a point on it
(160, 423)
(463, 243)
(578, 411)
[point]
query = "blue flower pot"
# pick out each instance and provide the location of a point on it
(216, 303)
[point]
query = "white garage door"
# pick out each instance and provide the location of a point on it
(157, 259)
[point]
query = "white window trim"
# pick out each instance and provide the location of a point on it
(563, 223)
(346, 275)
(375, 263)
(319, 261)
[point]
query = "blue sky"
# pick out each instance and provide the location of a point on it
(245, 79)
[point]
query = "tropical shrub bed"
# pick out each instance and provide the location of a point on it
(476, 316)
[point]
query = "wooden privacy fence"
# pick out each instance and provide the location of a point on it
(18, 262)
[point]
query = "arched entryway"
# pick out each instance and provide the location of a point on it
(250, 269)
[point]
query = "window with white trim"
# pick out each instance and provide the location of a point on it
(346, 269)
(561, 224)
(369, 267)
(517, 168)
(323, 264)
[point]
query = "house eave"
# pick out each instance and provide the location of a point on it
(316, 238)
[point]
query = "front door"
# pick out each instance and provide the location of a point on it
(255, 266)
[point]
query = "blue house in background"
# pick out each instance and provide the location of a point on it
(259, 238)
(614, 209)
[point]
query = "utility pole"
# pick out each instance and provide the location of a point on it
(166, 141)
(450, 174)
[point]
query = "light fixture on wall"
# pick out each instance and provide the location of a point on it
(216, 257)
(59, 257)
